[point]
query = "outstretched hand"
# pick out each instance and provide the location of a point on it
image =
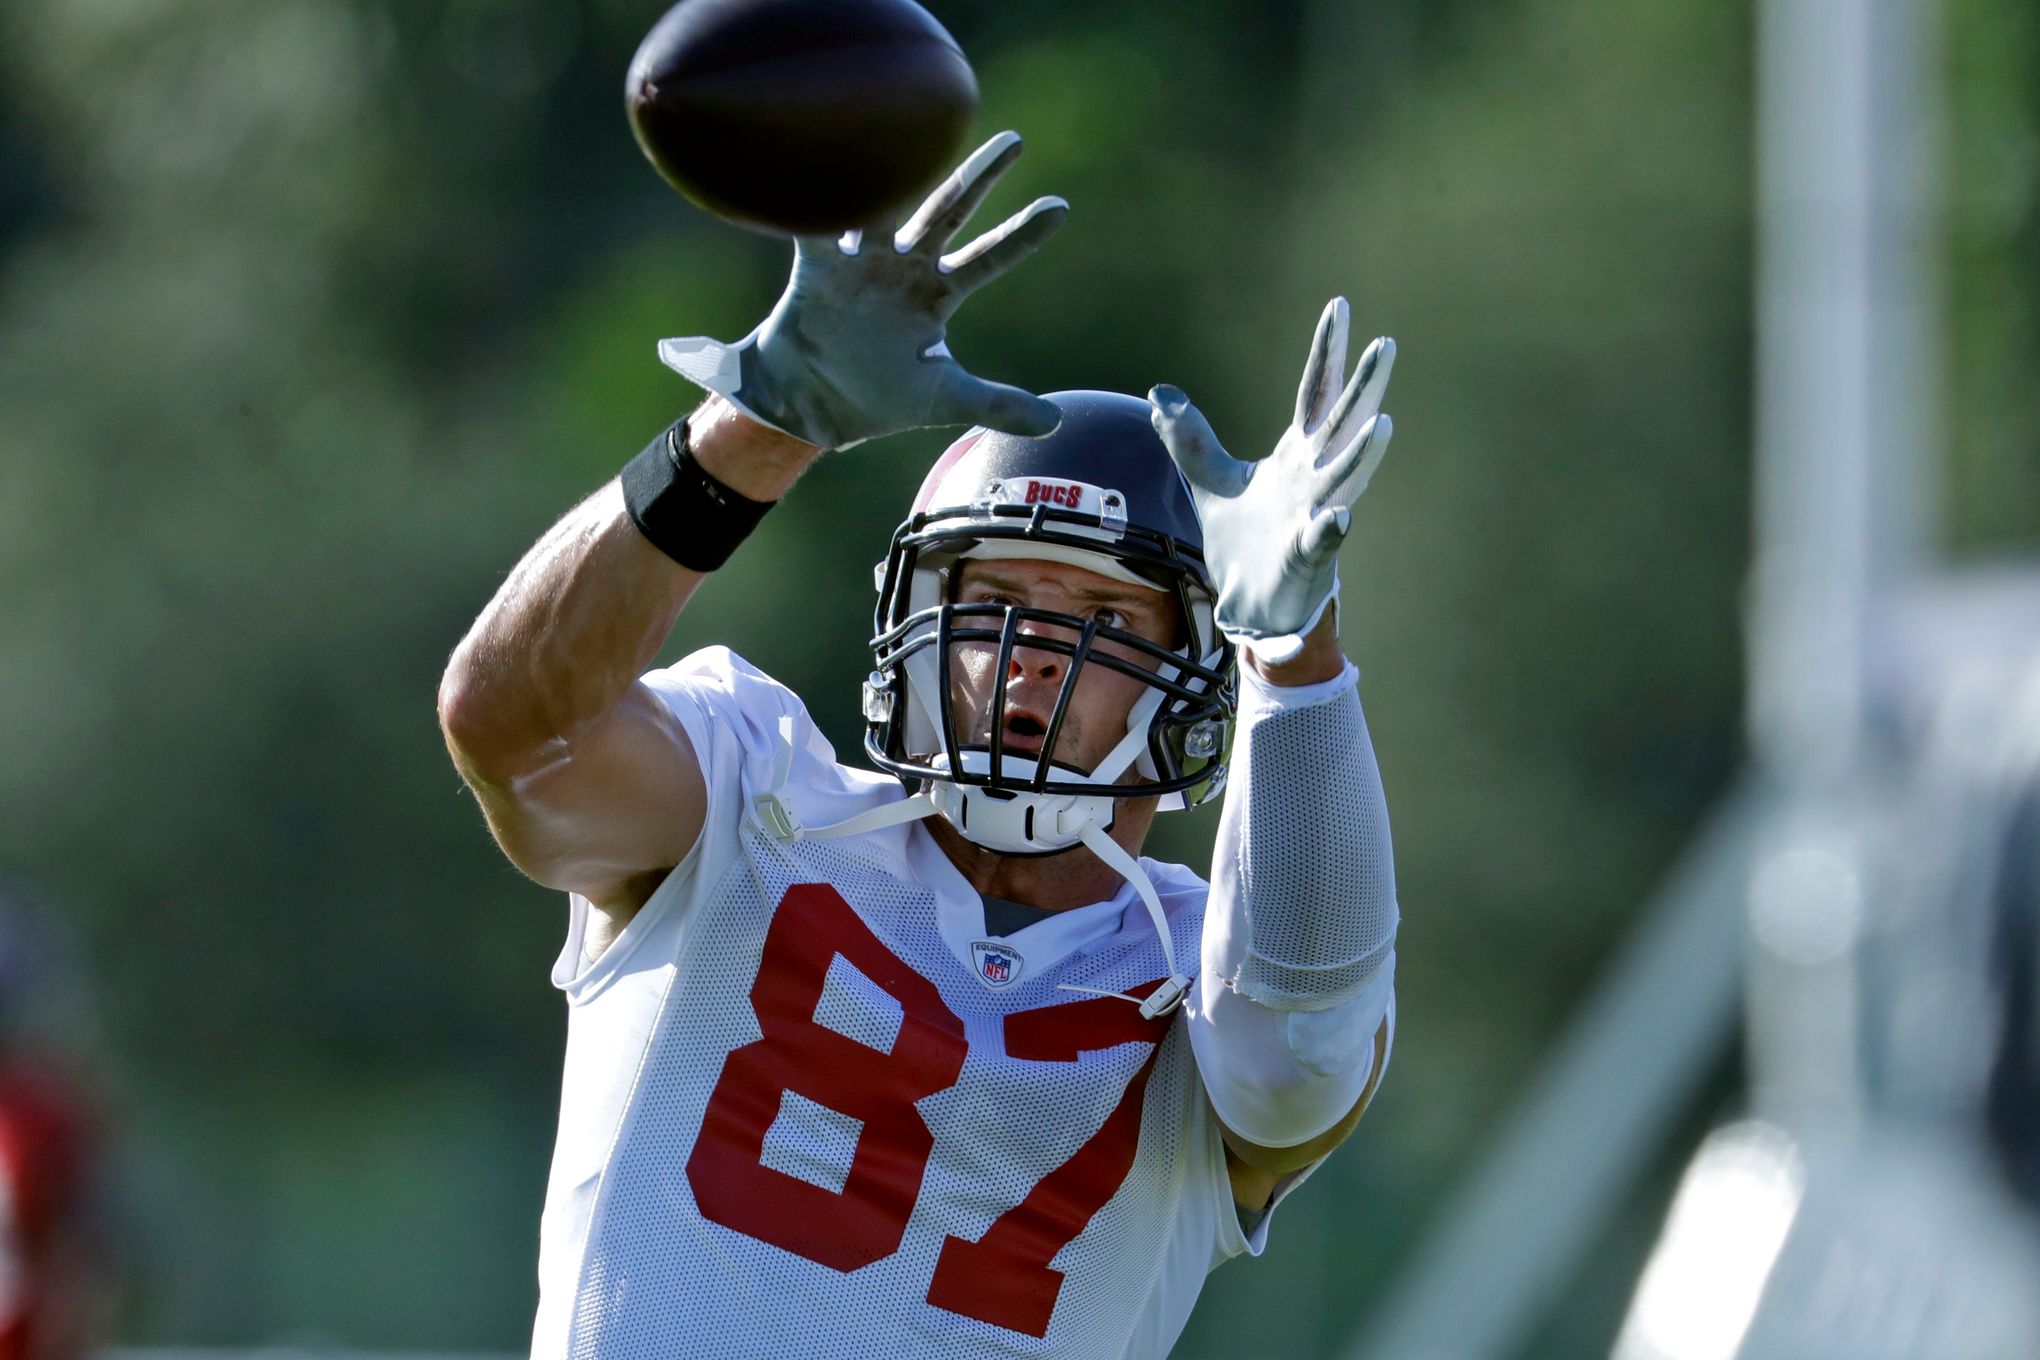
(1272, 528)
(857, 345)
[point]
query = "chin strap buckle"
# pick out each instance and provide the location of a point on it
(776, 817)
(1164, 998)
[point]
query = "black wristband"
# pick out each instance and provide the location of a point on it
(685, 513)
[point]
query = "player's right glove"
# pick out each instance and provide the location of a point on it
(856, 346)
(1272, 528)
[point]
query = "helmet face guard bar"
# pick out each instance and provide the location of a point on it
(1194, 692)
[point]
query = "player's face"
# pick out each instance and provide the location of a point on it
(1096, 720)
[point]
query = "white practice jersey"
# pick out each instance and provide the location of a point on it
(812, 1110)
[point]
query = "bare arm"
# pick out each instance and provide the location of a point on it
(588, 782)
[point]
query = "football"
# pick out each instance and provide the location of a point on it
(800, 116)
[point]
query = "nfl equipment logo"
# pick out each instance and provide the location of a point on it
(998, 965)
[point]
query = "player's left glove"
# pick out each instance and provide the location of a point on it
(1272, 529)
(857, 347)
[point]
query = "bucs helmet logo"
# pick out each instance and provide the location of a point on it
(1070, 494)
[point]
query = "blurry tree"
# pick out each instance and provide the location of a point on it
(1549, 208)
(1990, 175)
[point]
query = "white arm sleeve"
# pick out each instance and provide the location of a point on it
(1295, 999)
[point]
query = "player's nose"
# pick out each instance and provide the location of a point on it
(1030, 660)
(1034, 663)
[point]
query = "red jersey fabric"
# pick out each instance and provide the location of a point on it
(48, 1138)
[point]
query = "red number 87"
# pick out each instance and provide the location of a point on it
(1004, 1278)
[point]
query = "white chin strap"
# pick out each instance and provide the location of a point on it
(1010, 823)
(1169, 995)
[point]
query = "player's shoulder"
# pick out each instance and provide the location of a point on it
(738, 715)
(722, 675)
(718, 685)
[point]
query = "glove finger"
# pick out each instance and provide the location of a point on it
(1189, 439)
(1321, 538)
(1341, 480)
(945, 211)
(705, 362)
(999, 249)
(1362, 397)
(968, 400)
(1326, 366)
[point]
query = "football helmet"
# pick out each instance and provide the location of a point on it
(1098, 492)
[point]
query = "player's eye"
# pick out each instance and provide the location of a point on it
(1108, 617)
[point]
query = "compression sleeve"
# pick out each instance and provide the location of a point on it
(1294, 1002)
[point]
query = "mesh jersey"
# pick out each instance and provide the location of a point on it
(810, 1109)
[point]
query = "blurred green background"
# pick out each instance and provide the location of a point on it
(314, 313)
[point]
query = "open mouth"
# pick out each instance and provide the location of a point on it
(1023, 733)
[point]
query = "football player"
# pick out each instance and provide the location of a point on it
(928, 1061)
(55, 1258)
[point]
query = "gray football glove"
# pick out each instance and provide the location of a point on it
(1272, 529)
(855, 347)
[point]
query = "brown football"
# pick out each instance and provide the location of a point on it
(800, 116)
